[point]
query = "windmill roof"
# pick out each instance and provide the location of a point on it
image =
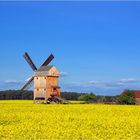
(44, 68)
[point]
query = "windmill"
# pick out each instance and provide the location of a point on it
(46, 80)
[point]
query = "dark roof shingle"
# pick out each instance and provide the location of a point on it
(44, 68)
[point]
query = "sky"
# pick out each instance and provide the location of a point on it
(96, 44)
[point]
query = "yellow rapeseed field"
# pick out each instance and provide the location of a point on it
(24, 120)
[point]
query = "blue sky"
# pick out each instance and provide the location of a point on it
(96, 44)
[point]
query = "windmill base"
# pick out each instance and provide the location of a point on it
(50, 100)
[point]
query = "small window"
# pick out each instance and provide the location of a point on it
(37, 78)
(44, 77)
(37, 89)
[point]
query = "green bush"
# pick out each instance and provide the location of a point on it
(127, 97)
(88, 97)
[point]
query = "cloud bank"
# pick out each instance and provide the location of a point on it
(10, 84)
(103, 87)
(98, 87)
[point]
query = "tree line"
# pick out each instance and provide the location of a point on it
(126, 98)
(28, 95)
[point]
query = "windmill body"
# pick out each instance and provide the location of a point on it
(46, 80)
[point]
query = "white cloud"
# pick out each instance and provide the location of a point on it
(11, 81)
(93, 82)
(128, 80)
(117, 83)
(112, 84)
(64, 73)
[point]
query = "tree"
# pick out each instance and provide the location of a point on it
(88, 97)
(101, 99)
(16, 95)
(127, 97)
(71, 95)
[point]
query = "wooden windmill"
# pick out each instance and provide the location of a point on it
(46, 80)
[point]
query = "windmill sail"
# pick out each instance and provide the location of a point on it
(27, 84)
(49, 59)
(29, 61)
